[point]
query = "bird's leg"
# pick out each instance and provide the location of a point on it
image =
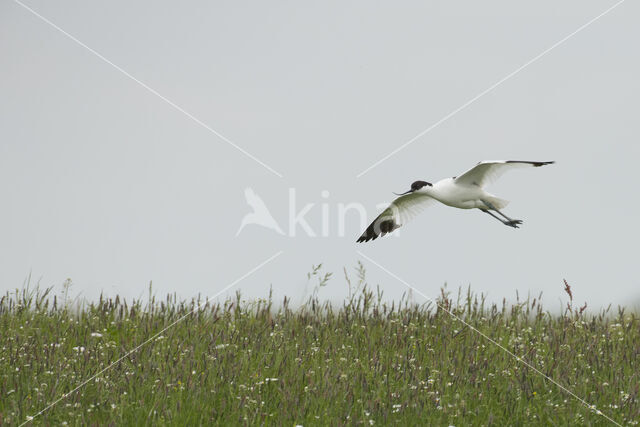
(509, 221)
(496, 217)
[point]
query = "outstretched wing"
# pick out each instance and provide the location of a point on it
(399, 212)
(486, 172)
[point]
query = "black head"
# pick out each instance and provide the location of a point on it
(417, 185)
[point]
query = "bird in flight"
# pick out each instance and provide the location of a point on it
(464, 192)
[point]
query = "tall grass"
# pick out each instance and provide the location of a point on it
(366, 361)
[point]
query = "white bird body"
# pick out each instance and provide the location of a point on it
(463, 192)
(461, 196)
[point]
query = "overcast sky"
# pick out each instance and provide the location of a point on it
(112, 185)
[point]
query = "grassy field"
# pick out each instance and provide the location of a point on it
(365, 362)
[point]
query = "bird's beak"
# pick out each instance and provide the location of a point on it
(402, 194)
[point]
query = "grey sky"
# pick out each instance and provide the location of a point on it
(105, 183)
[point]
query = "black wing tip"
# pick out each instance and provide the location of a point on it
(367, 236)
(538, 164)
(378, 229)
(535, 164)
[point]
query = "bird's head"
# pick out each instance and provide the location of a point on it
(417, 185)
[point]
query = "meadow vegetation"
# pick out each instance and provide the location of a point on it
(364, 362)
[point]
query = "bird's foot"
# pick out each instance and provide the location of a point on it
(513, 223)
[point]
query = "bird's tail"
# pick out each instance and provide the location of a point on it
(498, 202)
